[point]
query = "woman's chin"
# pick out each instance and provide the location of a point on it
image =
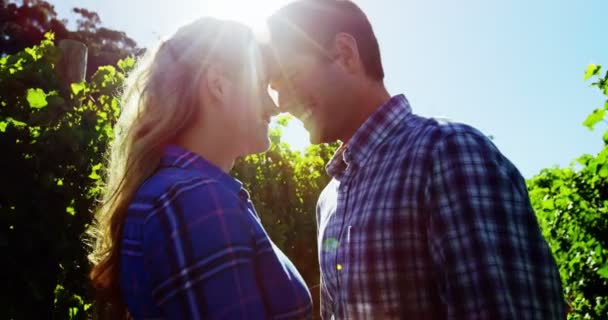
(259, 146)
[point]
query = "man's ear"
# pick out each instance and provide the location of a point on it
(215, 84)
(346, 52)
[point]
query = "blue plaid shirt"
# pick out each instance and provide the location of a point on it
(428, 220)
(193, 248)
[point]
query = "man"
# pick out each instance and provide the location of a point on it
(422, 219)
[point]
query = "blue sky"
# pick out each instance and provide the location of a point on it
(513, 69)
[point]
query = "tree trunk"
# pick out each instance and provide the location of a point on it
(73, 62)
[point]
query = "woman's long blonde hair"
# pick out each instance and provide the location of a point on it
(160, 99)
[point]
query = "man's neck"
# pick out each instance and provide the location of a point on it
(371, 99)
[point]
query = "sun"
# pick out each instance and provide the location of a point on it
(250, 12)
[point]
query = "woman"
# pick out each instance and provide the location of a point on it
(177, 237)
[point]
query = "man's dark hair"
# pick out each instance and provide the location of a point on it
(311, 26)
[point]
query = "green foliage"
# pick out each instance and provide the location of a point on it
(284, 186)
(24, 23)
(36, 98)
(572, 208)
(596, 116)
(53, 137)
(592, 70)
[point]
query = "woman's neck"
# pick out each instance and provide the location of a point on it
(209, 146)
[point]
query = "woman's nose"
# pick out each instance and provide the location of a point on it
(271, 108)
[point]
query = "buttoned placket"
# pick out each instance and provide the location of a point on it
(341, 260)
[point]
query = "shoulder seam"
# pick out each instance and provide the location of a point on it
(176, 189)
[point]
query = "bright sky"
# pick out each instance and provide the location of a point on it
(512, 68)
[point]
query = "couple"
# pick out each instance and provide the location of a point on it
(422, 219)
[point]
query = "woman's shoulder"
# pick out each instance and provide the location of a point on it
(168, 178)
(183, 190)
(174, 202)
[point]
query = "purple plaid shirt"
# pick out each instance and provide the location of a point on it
(428, 220)
(193, 248)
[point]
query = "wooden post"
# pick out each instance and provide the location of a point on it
(73, 61)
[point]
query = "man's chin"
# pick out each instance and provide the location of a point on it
(314, 141)
(316, 138)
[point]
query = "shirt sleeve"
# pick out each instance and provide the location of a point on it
(198, 254)
(489, 254)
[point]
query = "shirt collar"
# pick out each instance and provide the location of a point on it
(179, 157)
(370, 135)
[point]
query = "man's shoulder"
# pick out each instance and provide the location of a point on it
(427, 132)
(449, 141)
(447, 128)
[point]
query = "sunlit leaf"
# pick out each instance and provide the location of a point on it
(126, 64)
(33, 53)
(594, 118)
(283, 119)
(603, 271)
(74, 312)
(94, 175)
(36, 98)
(13, 122)
(78, 87)
(603, 171)
(592, 70)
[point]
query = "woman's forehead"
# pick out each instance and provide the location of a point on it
(256, 67)
(267, 58)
